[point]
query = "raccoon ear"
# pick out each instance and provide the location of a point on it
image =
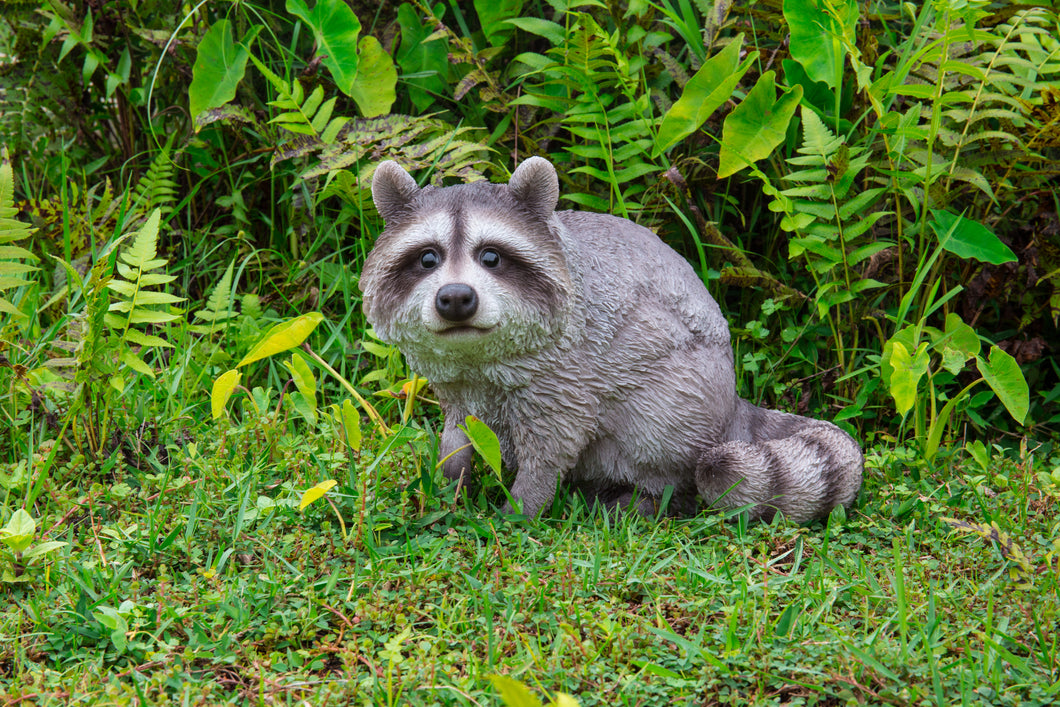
(535, 184)
(392, 189)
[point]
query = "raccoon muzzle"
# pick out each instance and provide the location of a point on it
(456, 302)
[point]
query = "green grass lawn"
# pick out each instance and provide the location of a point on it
(195, 579)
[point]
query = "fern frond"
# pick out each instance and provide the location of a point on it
(307, 119)
(12, 267)
(826, 219)
(219, 309)
(132, 306)
(157, 189)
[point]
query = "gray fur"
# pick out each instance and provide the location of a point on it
(595, 353)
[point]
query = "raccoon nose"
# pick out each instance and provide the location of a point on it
(456, 302)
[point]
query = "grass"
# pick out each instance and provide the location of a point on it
(195, 579)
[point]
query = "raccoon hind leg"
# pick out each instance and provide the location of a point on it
(804, 475)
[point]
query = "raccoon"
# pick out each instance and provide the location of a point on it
(591, 348)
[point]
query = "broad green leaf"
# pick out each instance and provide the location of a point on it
(119, 627)
(19, 531)
(220, 65)
(134, 362)
(906, 372)
(42, 549)
(553, 32)
(492, 15)
(373, 85)
(302, 405)
(351, 425)
(755, 127)
(283, 337)
(1004, 376)
(222, 391)
(978, 452)
(303, 377)
(336, 29)
(969, 239)
(704, 93)
(513, 692)
(819, 39)
(316, 493)
(427, 61)
(961, 343)
(484, 441)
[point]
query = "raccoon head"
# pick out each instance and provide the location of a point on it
(474, 272)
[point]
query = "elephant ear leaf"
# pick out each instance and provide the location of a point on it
(220, 65)
(335, 28)
(1003, 375)
(757, 126)
(374, 85)
(704, 93)
(969, 239)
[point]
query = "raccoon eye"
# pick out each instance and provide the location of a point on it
(428, 260)
(489, 258)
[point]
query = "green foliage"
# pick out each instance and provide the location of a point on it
(888, 249)
(422, 57)
(757, 126)
(220, 65)
(610, 132)
(21, 552)
(157, 189)
(822, 35)
(13, 268)
(135, 303)
(335, 28)
(704, 93)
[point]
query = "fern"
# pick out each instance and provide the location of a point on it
(307, 119)
(218, 310)
(828, 221)
(829, 218)
(134, 299)
(417, 142)
(610, 134)
(13, 269)
(157, 189)
(977, 129)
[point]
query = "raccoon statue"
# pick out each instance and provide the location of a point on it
(591, 348)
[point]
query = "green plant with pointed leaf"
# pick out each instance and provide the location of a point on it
(704, 93)
(20, 553)
(220, 64)
(281, 338)
(589, 85)
(923, 354)
(830, 221)
(757, 126)
(136, 301)
(14, 259)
